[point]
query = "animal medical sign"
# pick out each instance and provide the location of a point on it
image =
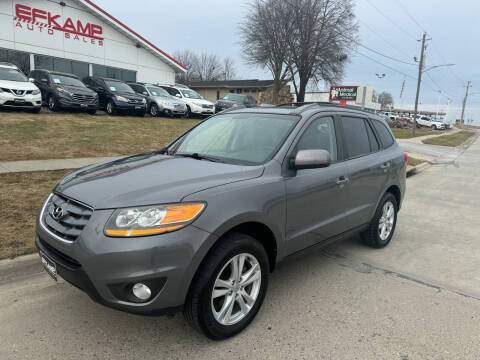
(36, 19)
(343, 93)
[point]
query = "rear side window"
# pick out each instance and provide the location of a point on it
(356, 136)
(385, 136)
(374, 146)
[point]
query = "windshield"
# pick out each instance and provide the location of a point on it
(116, 86)
(190, 94)
(234, 97)
(12, 75)
(245, 138)
(156, 91)
(66, 80)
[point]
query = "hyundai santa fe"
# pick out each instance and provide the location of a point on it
(199, 224)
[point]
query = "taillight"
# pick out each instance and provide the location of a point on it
(405, 155)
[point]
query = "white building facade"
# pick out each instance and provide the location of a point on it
(77, 36)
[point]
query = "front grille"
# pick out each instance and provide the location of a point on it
(74, 216)
(135, 101)
(58, 255)
(205, 106)
(13, 103)
(83, 98)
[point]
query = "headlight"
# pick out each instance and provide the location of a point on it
(196, 103)
(152, 220)
(63, 91)
(121, 98)
(35, 92)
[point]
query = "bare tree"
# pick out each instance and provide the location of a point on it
(228, 69)
(264, 38)
(209, 67)
(322, 35)
(190, 60)
(385, 99)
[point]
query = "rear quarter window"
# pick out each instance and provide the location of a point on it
(384, 134)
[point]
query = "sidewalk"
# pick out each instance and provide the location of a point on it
(47, 165)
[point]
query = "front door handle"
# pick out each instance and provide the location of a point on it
(342, 180)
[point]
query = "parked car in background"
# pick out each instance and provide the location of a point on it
(116, 96)
(427, 121)
(232, 100)
(159, 101)
(196, 104)
(199, 224)
(16, 91)
(64, 91)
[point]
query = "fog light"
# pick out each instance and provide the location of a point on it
(141, 291)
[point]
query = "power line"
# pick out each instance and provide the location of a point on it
(410, 16)
(387, 66)
(381, 54)
(383, 38)
(393, 22)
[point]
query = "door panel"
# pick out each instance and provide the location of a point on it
(315, 206)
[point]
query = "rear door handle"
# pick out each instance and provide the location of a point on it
(342, 180)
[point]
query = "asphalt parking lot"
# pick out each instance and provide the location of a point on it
(417, 299)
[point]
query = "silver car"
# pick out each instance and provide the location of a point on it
(159, 101)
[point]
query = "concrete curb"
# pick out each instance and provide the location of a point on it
(12, 269)
(417, 169)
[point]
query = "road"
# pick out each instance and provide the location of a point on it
(417, 299)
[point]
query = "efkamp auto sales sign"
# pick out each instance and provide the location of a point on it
(39, 20)
(342, 93)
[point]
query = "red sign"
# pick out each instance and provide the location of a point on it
(41, 19)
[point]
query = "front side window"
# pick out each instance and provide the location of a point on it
(66, 80)
(119, 87)
(356, 136)
(12, 75)
(320, 135)
(238, 138)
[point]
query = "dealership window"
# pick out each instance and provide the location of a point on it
(77, 68)
(19, 58)
(114, 73)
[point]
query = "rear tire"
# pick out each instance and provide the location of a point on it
(214, 287)
(382, 226)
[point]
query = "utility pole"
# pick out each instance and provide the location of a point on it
(420, 71)
(465, 102)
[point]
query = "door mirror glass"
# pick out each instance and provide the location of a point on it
(144, 93)
(310, 159)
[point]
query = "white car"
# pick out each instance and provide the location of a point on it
(196, 104)
(434, 124)
(16, 91)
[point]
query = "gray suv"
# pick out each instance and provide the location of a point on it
(159, 101)
(199, 224)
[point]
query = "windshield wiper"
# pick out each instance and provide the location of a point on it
(198, 156)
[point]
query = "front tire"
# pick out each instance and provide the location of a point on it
(229, 287)
(52, 103)
(382, 227)
(188, 113)
(111, 108)
(154, 110)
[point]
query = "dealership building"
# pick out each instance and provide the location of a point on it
(77, 36)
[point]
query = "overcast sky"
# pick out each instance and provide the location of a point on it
(385, 26)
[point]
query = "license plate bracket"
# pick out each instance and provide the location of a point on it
(49, 265)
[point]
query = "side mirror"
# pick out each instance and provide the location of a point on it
(310, 159)
(144, 93)
(178, 95)
(32, 80)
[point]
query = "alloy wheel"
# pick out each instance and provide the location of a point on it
(51, 103)
(153, 110)
(236, 289)
(385, 224)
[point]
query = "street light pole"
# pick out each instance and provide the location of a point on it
(465, 102)
(419, 81)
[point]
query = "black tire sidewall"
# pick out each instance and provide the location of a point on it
(151, 108)
(239, 243)
(112, 108)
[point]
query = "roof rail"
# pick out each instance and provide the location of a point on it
(303, 106)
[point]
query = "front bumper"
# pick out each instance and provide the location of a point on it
(99, 265)
(172, 110)
(201, 110)
(23, 102)
(72, 104)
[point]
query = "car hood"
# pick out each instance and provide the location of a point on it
(200, 101)
(147, 179)
(18, 85)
